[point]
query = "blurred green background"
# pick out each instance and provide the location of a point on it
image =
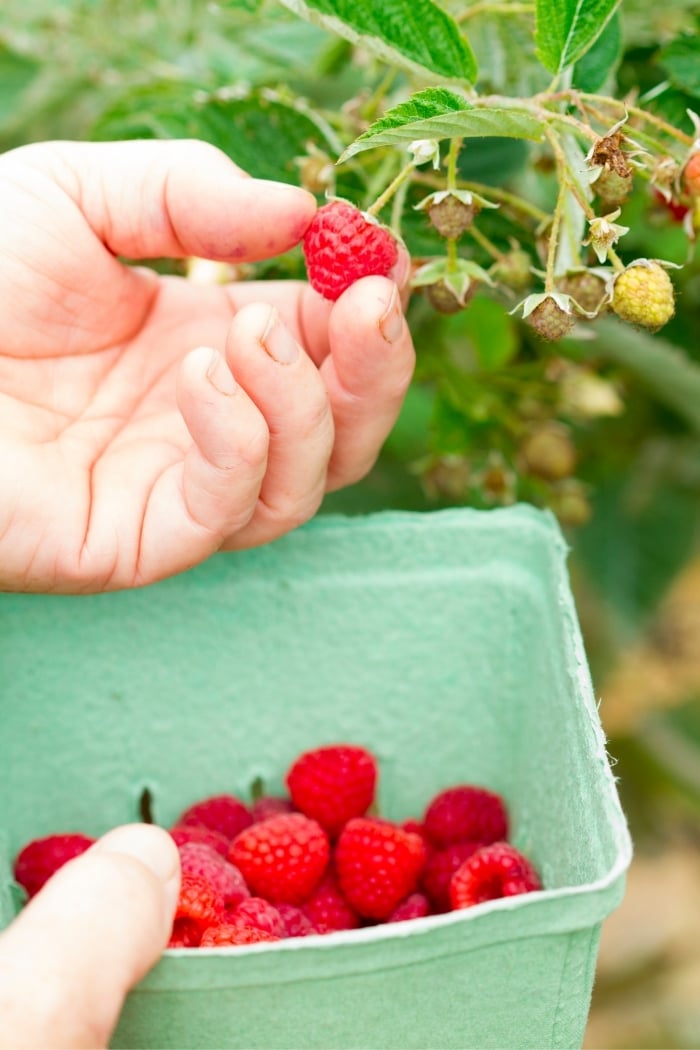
(272, 91)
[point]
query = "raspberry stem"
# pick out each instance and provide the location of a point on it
(385, 197)
(485, 243)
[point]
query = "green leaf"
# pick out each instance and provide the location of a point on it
(681, 61)
(262, 133)
(601, 60)
(16, 74)
(414, 34)
(565, 29)
(437, 113)
(492, 332)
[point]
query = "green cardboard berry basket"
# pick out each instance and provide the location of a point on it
(448, 643)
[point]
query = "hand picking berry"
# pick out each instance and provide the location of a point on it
(333, 784)
(343, 244)
(283, 858)
(494, 871)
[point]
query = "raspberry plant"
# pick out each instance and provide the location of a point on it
(516, 148)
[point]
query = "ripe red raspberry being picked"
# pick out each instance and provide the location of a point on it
(343, 244)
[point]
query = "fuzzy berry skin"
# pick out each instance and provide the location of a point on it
(255, 911)
(41, 858)
(296, 923)
(198, 859)
(378, 865)
(439, 869)
(199, 902)
(223, 813)
(466, 812)
(643, 295)
(333, 784)
(494, 871)
(283, 858)
(550, 321)
(185, 934)
(587, 289)
(204, 836)
(226, 935)
(327, 910)
(342, 244)
(416, 906)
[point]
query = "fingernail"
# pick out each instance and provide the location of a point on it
(391, 322)
(219, 374)
(152, 846)
(278, 341)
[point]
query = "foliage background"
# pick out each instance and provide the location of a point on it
(263, 84)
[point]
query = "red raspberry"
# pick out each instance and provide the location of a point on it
(416, 906)
(466, 812)
(41, 858)
(231, 933)
(295, 922)
(270, 806)
(223, 813)
(494, 871)
(343, 244)
(283, 858)
(691, 175)
(378, 865)
(327, 910)
(260, 913)
(198, 859)
(333, 784)
(439, 869)
(198, 833)
(185, 934)
(199, 902)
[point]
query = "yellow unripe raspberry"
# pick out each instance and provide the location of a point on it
(643, 295)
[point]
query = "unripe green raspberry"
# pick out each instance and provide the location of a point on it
(451, 216)
(514, 270)
(643, 295)
(585, 288)
(550, 321)
(549, 452)
(443, 299)
(612, 187)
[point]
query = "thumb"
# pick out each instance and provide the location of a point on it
(94, 930)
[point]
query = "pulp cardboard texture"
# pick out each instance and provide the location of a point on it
(446, 642)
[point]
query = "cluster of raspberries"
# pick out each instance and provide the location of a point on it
(315, 862)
